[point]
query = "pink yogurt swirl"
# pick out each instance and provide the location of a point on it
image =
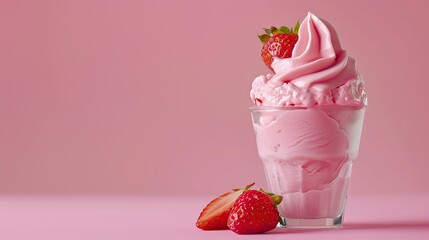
(319, 72)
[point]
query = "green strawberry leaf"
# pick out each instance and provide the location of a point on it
(264, 38)
(267, 31)
(296, 28)
(275, 31)
(284, 29)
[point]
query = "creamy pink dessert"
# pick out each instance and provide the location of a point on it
(308, 119)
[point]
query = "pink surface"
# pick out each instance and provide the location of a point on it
(123, 96)
(80, 217)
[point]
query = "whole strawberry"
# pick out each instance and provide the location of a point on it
(254, 212)
(215, 215)
(278, 42)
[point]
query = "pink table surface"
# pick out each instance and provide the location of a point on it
(149, 217)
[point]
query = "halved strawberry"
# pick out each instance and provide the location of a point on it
(215, 215)
(278, 42)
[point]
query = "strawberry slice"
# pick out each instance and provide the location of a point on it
(215, 215)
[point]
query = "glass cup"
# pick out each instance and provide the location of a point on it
(307, 155)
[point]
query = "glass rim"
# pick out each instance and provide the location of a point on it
(263, 108)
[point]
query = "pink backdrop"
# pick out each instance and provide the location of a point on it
(138, 97)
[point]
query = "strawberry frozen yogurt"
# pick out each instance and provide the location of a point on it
(308, 119)
(319, 72)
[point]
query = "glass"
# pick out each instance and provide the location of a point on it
(307, 155)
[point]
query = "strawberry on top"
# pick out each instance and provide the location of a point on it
(278, 42)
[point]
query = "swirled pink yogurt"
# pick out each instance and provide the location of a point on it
(318, 73)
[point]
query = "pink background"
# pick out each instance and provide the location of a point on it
(145, 97)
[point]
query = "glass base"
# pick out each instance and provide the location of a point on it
(312, 223)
